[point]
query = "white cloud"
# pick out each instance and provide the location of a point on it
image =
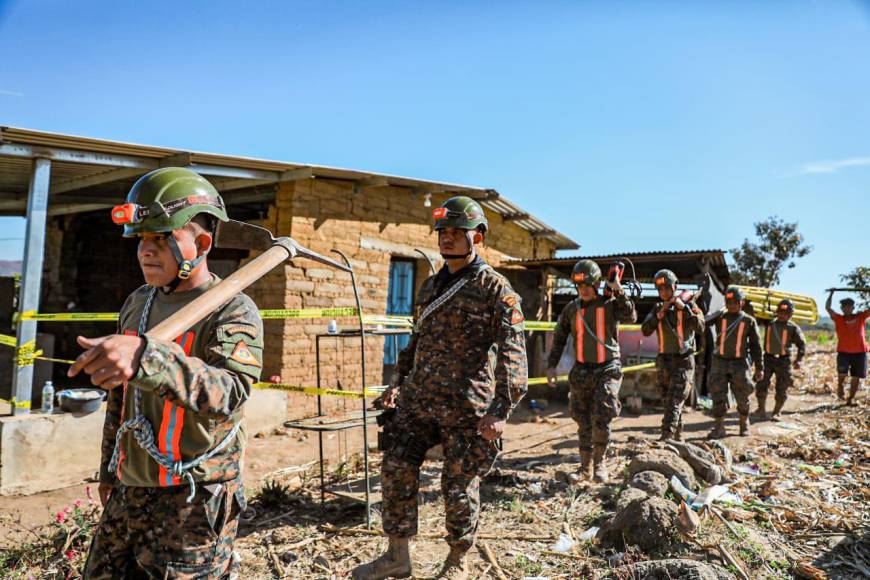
(11, 93)
(834, 166)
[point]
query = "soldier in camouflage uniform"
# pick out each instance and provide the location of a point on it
(781, 333)
(676, 324)
(596, 376)
(170, 477)
(737, 340)
(456, 383)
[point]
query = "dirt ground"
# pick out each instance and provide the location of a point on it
(817, 518)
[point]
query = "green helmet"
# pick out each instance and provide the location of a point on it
(734, 293)
(586, 273)
(460, 212)
(665, 278)
(166, 199)
(785, 305)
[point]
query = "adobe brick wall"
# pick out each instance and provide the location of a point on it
(326, 215)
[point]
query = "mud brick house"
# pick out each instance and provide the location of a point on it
(76, 260)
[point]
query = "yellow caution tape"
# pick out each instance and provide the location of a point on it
(369, 392)
(113, 316)
(16, 404)
(631, 369)
(308, 313)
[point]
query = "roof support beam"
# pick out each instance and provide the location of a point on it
(71, 156)
(370, 183)
(289, 175)
(234, 172)
(31, 278)
(515, 216)
(92, 180)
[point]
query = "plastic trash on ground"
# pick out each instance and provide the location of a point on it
(589, 534)
(681, 490)
(563, 544)
(705, 403)
(748, 469)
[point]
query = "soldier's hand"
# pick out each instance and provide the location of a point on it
(678, 302)
(110, 360)
(387, 400)
(490, 427)
(551, 378)
(615, 286)
(105, 490)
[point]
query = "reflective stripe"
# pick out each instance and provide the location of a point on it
(661, 337)
(783, 341)
(579, 333)
(739, 339)
(172, 424)
(767, 338)
(600, 331)
(722, 337)
(680, 332)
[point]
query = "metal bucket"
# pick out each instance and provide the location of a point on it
(81, 401)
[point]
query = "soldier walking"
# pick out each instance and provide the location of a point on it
(737, 340)
(596, 376)
(170, 476)
(781, 333)
(456, 383)
(676, 324)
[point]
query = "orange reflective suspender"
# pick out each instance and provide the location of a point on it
(783, 341)
(680, 331)
(661, 334)
(601, 332)
(767, 338)
(579, 332)
(739, 339)
(722, 337)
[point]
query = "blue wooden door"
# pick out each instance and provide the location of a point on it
(400, 302)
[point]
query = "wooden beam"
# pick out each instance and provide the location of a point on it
(515, 216)
(181, 159)
(369, 183)
(93, 180)
(290, 175)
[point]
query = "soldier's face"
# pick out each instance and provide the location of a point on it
(158, 265)
(783, 315)
(586, 292)
(665, 292)
(454, 241)
(733, 306)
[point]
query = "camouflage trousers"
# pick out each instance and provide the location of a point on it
(467, 457)
(733, 372)
(594, 400)
(779, 367)
(674, 374)
(152, 532)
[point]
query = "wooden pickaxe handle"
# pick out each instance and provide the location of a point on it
(222, 293)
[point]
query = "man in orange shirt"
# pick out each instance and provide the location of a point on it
(851, 345)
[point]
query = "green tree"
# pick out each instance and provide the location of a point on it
(859, 277)
(761, 263)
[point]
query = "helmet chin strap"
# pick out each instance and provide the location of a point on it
(469, 236)
(185, 267)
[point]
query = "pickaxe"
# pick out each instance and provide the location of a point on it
(240, 236)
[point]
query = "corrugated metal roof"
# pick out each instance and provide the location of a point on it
(14, 173)
(685, 263)
(629, 255)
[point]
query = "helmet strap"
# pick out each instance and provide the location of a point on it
(469, 236)
(185, 267)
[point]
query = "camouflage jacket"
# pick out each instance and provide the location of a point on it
(737, 337)
(467, 357)
(779, 336)
(676, 331)
(193, 389)
(594, 326)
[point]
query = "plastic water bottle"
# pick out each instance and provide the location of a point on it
(48, 397)
(332, 327)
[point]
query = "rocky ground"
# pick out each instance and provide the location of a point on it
(793, 505)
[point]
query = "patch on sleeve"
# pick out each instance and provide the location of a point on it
(510, 299)
(517, 316)
(243, 328)
(242, 354)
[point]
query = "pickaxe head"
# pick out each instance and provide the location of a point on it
(243, 236)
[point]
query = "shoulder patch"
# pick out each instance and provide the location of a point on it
(243, 328)
(243, 355)
(517, 316)
(510, 299)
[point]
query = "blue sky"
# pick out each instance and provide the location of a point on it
(626, 125)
